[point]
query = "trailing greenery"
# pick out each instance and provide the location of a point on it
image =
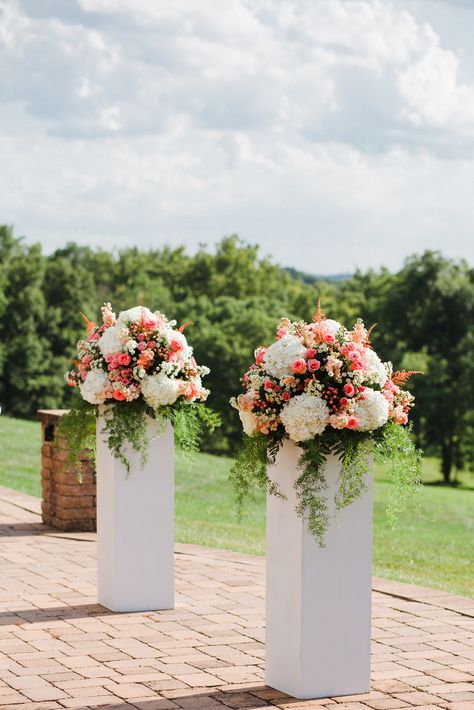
(126, 426)
(391, 445)
(78, 427)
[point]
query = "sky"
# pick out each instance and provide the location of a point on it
(337, 134)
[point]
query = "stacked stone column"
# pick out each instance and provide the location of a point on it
(68, 499)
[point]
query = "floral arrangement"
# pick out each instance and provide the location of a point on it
(324, 388)
(138, 365)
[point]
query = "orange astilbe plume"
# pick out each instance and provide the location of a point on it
(185, 325)
(90, 325)
(401, 377)
(369, 332)
(319, 315)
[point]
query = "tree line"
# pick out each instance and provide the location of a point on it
(234, 298)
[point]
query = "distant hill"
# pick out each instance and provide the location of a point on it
(313, 278)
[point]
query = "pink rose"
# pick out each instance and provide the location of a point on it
(119, 395)
(310, 353)
(281, 332)
(141, 345)
(150, 324)
(313, 365)
(286, 396)
(176, 345)
(268, 385)
(299, 366)
(349, 390)
(141, 336)
(344, 401)
(357, 365)
(124, 359)
(352, 422)
(151, 344)
(259, 355)
(329, 339)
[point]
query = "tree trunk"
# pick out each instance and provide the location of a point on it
(447, 460)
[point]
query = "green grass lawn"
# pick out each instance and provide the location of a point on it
(432, 546)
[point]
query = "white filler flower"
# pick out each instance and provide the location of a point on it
(111, 341)
(372, 412)
(281, 354)
(249, 422)
(159, 390)
(304, 417)
(94, 386)
(376, 370)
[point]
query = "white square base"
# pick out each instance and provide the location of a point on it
(135, 537)
(318, 604)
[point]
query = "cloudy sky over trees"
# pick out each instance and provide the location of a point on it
(335, 133)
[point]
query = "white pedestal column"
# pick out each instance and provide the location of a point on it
(318, 601)
(135, 525)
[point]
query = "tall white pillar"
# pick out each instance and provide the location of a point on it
(318, 601)
(135, 525)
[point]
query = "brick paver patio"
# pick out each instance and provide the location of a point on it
(60, 649)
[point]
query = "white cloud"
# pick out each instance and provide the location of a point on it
(299, 123)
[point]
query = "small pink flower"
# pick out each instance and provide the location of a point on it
(344, 401)
(286, 396)
(141, 345)
(357, 365)
(281, 332)
(151, 344)
(150, 324)
(141, 336)
(313, 365)
(259, 355)
(388, 395)
(119, 395)
(124, 359)
(329, 339)
(299, 366)
(268, 385)
(349, 390)
(310, 353)
(176, 345)
(352, 422)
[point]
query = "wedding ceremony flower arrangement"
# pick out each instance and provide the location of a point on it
(324, 388)
(134, 366)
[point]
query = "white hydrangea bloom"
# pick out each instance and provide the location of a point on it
(159, 390)
(376, 370)
(187, 350)
(331, 326)
(94, 387)
(304, 417)
(111, 341)
(281, 354)
(249, 422)
(133, 315)
(372, 412)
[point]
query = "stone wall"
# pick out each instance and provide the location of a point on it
(67, 502)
